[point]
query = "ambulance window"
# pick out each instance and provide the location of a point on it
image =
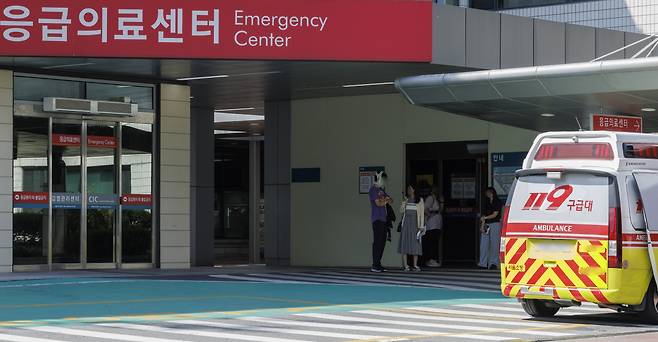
(634, 204)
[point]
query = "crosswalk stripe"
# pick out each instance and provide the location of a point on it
(469, 313)
(431, 272)
(429, 325)
(277, 330)
(473, 282)
(17, 338)
(258, 279)
(314, 279)
(483, 337)
(586, 308)
(454, 319)
(98, 334)
(438, 277)
(241, 337)
(568, 312)
(436, 284)
(338, 326)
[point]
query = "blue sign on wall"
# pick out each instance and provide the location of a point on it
(67, 200)
(503, 169)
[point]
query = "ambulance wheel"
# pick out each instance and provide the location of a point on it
(539, 308)
(650, 312)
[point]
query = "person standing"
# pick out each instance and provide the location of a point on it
(434, 222)
(413, 228)
(490, 230)
(378, 201)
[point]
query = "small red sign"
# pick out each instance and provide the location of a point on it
(136, 200)
(92, 141)
(31, 198)
(616, 123)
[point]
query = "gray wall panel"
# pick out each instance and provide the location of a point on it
(581, 43)
(630, 38)
(549, 45)
(516, 42)
(608, 41)
(482, 39)
(449, 35)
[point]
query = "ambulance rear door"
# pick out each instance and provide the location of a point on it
(647, 183)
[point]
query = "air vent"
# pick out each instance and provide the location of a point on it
(78, 106)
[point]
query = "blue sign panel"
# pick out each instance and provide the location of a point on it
(67, 200)
(503, 169)
(98, 201)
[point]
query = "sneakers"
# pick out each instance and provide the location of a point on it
(433, 263)
(378, 269)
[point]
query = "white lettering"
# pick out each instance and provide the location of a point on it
(282, 23)
(242, 38)
(553, 228)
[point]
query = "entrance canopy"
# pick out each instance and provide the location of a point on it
(544, 97)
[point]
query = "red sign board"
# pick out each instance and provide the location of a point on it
(30, 198)
(136, 200)
(364, 30)
(92, 141)
(616, 123)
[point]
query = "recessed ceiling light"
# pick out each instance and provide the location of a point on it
(254, 124)
(548, 115)
(367, 85)
(234, 117)
(202, 77)
(221, 131)
(234, 109)
(648, 109)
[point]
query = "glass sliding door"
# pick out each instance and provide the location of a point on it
(66, 193)
(136, 198)
(30, 197)
(101, 186)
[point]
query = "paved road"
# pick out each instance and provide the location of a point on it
(319, 305)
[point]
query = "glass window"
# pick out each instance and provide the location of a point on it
(35, 89)
(142, 96)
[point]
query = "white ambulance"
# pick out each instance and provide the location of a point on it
(579, 223)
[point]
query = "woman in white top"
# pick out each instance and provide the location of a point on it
(413, 228)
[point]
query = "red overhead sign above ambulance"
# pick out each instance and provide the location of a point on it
(344, 30)
(616, 123)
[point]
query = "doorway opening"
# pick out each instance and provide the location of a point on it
(459, 171)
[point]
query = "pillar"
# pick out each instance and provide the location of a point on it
(6, 157)
(202, 186)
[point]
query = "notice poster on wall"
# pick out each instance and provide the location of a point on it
(503, 169)
(367, 177)
(462, 187)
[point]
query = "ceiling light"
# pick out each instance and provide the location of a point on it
(234, 117)
(367, 85)
(548, 115)
(202, 78)
(220, 131)
(66, 65)
(648, 109)
(254, 124)
(234, 109)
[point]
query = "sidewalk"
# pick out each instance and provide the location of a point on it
(622, 338)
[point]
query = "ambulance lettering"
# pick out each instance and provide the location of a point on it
(553, 228)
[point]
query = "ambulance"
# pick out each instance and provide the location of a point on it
(581, 222)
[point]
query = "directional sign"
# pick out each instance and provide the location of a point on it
(616, 123)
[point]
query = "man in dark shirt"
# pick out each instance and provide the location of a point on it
(490, 230)
(378, 200)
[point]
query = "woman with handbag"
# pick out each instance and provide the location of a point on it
(412, 229)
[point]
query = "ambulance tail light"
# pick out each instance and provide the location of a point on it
(503, 233)
(575, 151)
(614, 238)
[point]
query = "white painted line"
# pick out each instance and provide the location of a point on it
(469, 313)
(411, 279)
(586, 307)
(429, 325)
(341, 327)
(312, 279)
(484, 337)
(490, 307)
(474, 277)
(258, 279)
(562, 312)
(277, 330)
(455, 319)
(66, 283)
(436, 284)
(229, 336)
(16, 338)
(98, 334)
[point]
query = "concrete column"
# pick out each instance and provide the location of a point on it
(6, 157)
(277, 183)
(202, 186)
(254, 202)
(174, 176)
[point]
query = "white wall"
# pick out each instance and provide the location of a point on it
(174, 176)
(6, 145)
(330, 220)
(639, 16)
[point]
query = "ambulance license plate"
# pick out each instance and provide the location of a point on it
(516, 267)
